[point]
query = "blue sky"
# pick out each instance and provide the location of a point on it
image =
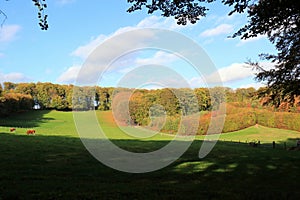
(77, 27)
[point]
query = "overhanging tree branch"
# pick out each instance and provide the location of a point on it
(182, 10)
(41, 6)
(5, 17)
(279, 20)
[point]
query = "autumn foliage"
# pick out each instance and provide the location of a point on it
(237, 118)
(15, 102)
(183, 111)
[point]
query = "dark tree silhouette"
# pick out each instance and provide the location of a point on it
(182, 10)
(41, 6)
(278, 20)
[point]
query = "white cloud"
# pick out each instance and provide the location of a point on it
(128, 62)
(70, 75)
(63, 2)
(14, 77)
(159, 58)
(160, 22)
(48, 71)
(197, 82)
(85, 50)
(115, 47)
(253, 39)
(149, 22)
(228, 18)
(233, 72)
(153, 76)
(9, 32)
(267, 65)
(112, 49)
(255, 85)
(219, 30)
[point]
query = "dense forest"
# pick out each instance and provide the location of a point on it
(245, 106)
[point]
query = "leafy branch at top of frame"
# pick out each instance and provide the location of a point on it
(42, 17)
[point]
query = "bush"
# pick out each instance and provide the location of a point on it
(13, 102)
(171, 125)
(204, 124)
(242, 120)
(286, 120)
(282, 120)
(189, 125)
(266, 118)
(237, 118)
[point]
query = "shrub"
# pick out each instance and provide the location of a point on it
(204, 124)
(266, 118)
(237, 118)
(172, 124)
(239, 121)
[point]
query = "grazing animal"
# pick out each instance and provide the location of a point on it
(12, 129)
(253, 144)
(292, 148)
(30, 132)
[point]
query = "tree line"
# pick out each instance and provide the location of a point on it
(16, 97)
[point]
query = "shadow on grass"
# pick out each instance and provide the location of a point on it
(26, 119)
(56, 167)
(291, 142)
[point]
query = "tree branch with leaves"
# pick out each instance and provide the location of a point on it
(182, 10)
(41, 5)
(278, 20)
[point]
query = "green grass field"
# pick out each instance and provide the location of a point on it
(54, 164)
(262, 134)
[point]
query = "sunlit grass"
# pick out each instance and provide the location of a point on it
(54, 164)
(63, 124)
(44, 122)
(260, 133)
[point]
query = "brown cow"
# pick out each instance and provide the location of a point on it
(30, 132)
(12, 129)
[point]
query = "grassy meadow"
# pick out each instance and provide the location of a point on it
(54, 164)
(260, 133)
